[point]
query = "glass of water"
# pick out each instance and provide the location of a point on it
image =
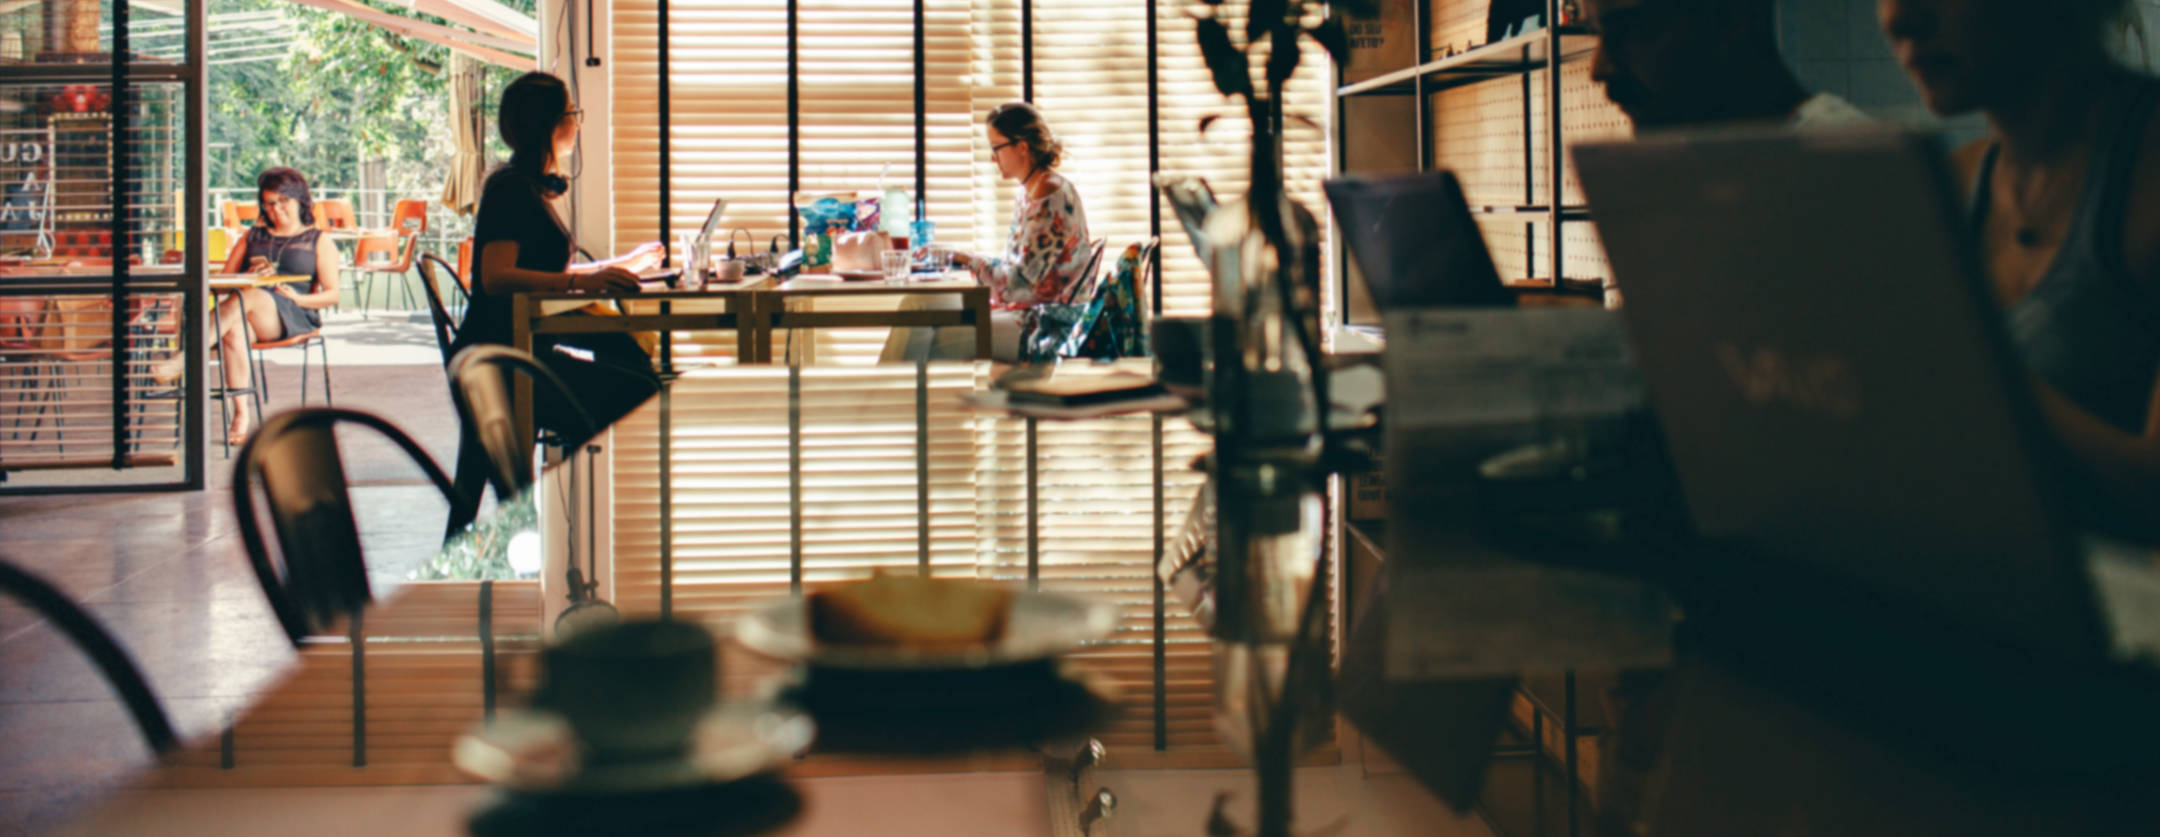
(895, 265)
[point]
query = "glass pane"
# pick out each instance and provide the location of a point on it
(63, 329)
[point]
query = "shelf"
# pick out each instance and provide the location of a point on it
(1519, 54)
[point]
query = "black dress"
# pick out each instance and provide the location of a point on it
(293, 256)
(618, 378)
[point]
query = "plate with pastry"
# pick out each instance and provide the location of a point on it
(906, 622)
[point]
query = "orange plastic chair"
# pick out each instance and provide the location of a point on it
(388, 256)
(335, 214)
(304, 341)
(374, 250)
(409, 217)
(464, 263)
(236, 216)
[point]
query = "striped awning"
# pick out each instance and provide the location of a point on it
(485, 29)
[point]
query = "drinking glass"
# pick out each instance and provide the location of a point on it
(895, 265)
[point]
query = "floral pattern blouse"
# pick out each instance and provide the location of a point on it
(1045, 253)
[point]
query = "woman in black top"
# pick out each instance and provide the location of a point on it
(284, 241)
(524, 246)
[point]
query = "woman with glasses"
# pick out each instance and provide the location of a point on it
(1044, 253)
(284, 241)
(522, 245)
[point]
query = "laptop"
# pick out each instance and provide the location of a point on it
(1192, 201)
(1415, 242)
(699, 257)
(1838, 392)
(701, 247)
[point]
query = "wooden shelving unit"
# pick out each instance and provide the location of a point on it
(1546, 49)
(1551, 713)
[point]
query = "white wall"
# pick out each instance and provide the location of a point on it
(563, 32)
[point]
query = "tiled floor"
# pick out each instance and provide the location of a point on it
(166, 574)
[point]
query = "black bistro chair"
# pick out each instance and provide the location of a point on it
(319, 574)
(480, 386)
(446, 322)
(111, 660)
(492, 442)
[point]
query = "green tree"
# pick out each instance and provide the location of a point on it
(345, 92)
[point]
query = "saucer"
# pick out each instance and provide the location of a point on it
(534, 750)
(916, 712)
(860, 275)
(1039, 626)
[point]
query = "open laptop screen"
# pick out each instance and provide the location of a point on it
(701, 247)
(1414, 240)
(1832, 375)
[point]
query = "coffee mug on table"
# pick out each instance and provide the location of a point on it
(633, 691)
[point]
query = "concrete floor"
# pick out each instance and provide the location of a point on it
(165, 572)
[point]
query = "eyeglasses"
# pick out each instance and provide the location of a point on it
(577, 115)
(1003, 145)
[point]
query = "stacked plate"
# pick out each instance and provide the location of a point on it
(1009, 693)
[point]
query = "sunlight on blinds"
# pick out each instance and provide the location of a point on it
(1091, 85)
(1095, 537)
(735, 537)
(1222, 154)
(728, 115)
(730, 451)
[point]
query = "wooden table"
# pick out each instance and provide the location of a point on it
(530, 315)
(777, 314)
(755, 310)
(540, 313)
(220, 282)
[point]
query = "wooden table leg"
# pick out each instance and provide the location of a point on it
(750, 327)
(978, 305)
(522, 309)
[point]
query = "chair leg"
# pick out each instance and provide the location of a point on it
(325, 344)
(303, 374)
(20, 383)
(223, 394)
(259, 380)
(41, 396)
(25, 386)
(471, 481)
(259, 387)
(59, 409)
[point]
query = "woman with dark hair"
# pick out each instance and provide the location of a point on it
(2066, 206)
(1045, 251)
(284, 241)
(523, 245)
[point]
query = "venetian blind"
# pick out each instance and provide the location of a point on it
(735, 435)
(727, 99)
(1222, 153)
(1095, 481)
(1095, 537)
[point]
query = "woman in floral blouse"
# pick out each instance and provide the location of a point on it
(1044, 256)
